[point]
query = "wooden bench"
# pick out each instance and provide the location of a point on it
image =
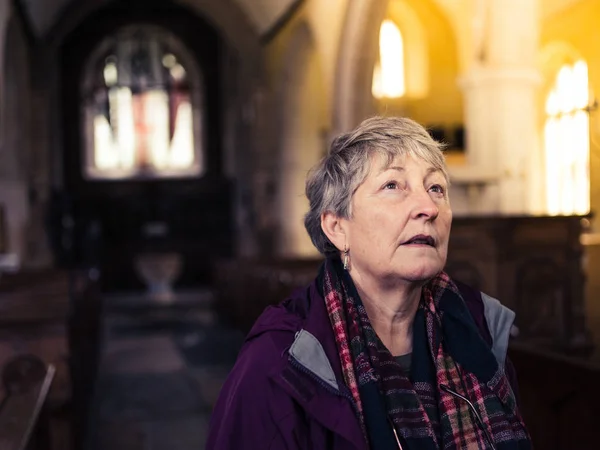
(245, 287)
(559, 397)
(56, 315)
(26, 384)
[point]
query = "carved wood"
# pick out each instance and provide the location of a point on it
(533, 265)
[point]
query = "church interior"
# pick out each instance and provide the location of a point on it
(153, 155)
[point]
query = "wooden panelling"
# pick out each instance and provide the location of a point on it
(533, 265)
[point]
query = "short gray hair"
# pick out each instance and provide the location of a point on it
(332, 182)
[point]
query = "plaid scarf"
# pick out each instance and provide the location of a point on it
(448, 351)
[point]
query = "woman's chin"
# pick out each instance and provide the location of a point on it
(422, 273)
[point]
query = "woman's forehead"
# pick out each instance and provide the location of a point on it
(381, 163)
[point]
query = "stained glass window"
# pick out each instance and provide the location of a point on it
(388, 75)
(567, 142)
(142, 108)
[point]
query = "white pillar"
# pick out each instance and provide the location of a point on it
(500, 104)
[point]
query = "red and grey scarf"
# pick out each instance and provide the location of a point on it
(456, 396)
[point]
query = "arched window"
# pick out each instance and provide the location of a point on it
(388, 75)
(142, 108)
(567, 146)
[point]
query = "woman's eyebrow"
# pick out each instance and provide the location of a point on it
(430, 170)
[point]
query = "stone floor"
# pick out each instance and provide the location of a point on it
(163, 365)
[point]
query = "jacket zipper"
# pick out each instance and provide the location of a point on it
(488, 438)
(395, 434)
(338, 392)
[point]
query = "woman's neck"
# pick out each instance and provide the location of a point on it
(391, 311)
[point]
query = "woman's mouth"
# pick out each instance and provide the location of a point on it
(421, 239)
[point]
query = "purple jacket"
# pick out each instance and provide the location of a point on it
(286, 390)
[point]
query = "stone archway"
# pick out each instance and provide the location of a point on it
(359, 47)
(301, 143)
(356, 59)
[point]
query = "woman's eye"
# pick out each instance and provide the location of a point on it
(390, 185)
(438, 189)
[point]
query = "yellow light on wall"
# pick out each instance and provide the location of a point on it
(388, 75)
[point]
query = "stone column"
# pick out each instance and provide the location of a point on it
(500, 105)
(14, 132)
(4, 17)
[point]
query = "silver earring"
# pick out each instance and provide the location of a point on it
(346, 251)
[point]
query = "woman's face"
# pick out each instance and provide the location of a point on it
(400, 222)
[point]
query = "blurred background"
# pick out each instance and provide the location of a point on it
(152, 163)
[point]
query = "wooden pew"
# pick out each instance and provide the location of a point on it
(559, 397)
(34, 307)
(26, 384)
(245, 287)
(56, 315)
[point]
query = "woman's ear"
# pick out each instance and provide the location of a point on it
(335, 229)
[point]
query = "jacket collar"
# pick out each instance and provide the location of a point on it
(318, 325)
(308, 352)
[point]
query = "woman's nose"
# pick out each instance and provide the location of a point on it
(424, 206)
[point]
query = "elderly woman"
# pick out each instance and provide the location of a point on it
(383, 350)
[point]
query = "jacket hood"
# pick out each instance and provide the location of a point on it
(312, 363)
(304, 310)
(287, 316)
